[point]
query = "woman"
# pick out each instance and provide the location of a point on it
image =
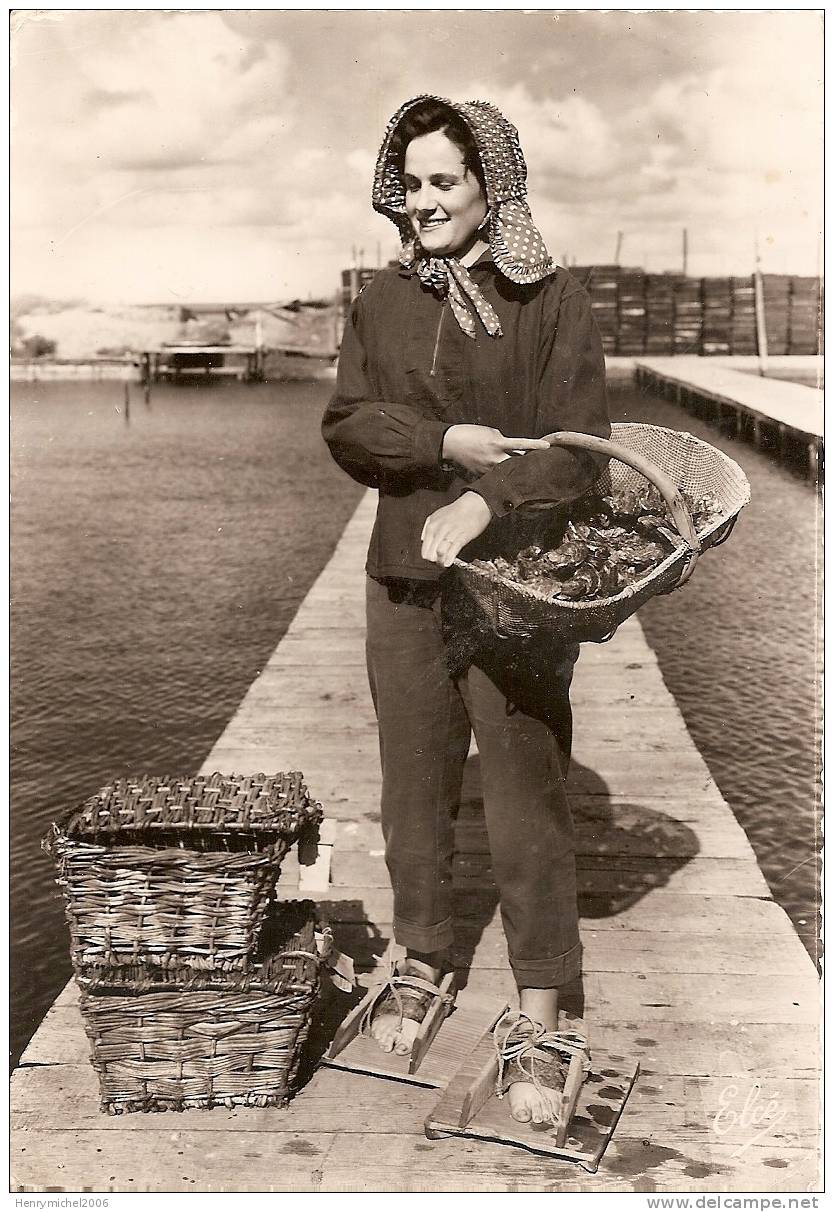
(453, 365)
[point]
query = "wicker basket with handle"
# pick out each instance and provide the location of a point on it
(171, 873)
(671, 460)
(213, 1039)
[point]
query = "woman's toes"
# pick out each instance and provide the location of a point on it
(554, 1099)
(529, 1105)
(520, 1101)
(406, 1037)
(385, 1030)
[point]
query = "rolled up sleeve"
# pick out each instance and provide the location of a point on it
(572, 396)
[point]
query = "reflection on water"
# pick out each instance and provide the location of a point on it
(155, 566)
(739, 648)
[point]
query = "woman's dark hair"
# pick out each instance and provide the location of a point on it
(429, 116)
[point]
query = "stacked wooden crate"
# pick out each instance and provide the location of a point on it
(717, 316)
(805, 316)
(743, 340)
(197, 988)
(660, 314)
(602, 285)
(688, 315)
(631, 313)
(777, 291)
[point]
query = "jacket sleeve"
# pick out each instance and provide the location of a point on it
(571, 396)
(373, 439)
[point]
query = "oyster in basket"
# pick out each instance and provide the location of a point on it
(610, 543)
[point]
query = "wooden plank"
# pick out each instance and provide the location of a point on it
(333, 1101)
(171, 1160)
(792, 404)
(630, 834)
(664, 1048)
(662, 912)
(344, 774)
(644, 998)
(691, 969)
(610, 951)
(625, 829)
(405, 1163)
(683, 997)
(638, 833)
(281, 1161)
(357, 734)
(628, 876)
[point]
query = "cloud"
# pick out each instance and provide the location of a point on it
(179, 133)
(178, 91)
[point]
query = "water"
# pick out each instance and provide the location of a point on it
(739, 647)
(156, 565)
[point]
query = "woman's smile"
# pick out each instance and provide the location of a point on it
(443, 199)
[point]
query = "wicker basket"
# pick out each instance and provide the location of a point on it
(217, 1039)
(672, 461)
(172, 873)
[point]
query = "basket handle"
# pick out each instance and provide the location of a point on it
(664, 483)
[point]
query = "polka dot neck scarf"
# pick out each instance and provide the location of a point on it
(448, 278)
(517, 247)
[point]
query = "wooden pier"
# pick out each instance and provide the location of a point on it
(690, 966)
(191, 359)
(773, 412)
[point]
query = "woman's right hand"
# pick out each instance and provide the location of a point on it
(478, 447)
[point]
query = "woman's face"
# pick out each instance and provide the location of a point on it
(443, 199)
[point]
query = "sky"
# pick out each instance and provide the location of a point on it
(199, 156)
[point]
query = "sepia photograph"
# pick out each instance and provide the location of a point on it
(416, 448)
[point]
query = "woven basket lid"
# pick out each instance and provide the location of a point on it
(201, 806)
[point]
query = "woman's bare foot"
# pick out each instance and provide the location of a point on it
(390, 1033)
(527, 1104)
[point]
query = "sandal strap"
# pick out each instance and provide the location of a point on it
(521, 1041)
(398, 986)
(420, 985)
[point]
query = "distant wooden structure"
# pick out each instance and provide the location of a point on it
(774, 413)
(190, 359)
(641, 314)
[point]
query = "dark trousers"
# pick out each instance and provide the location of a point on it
(515, 698)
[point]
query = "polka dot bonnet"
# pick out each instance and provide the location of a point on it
(518, 249)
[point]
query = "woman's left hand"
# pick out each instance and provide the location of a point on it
(453, 526)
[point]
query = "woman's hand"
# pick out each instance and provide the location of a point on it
(478, 448)
(455, 525)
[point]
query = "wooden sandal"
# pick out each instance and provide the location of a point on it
(515, 1048)
(527, 1052)
(409, 997)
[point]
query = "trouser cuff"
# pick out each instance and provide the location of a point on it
(548, 973)
(424, 938)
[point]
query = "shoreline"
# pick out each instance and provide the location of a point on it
(280, 366)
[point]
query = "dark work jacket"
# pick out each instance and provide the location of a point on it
(407, 373)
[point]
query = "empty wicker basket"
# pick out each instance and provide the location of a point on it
(176, 873)
(211, 1039)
